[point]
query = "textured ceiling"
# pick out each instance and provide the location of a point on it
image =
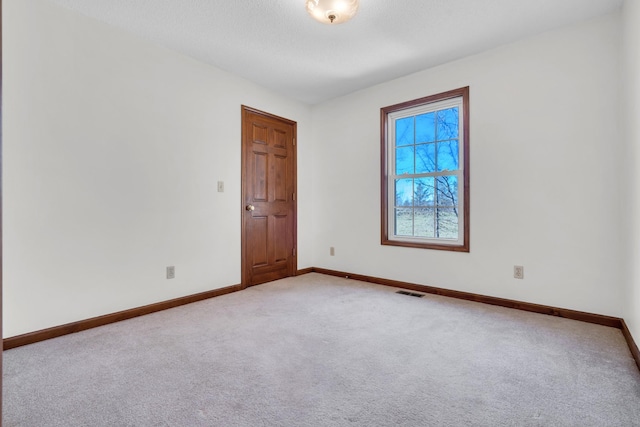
(277, 45)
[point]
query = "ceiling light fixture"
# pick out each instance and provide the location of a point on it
(332, 11)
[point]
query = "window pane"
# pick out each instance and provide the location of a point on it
(426, 127)
(448, 155)
(404, 192)
(425, 158)
(424, 224)
(424, 192)
(404, 222)
(447, 123)
(404, 160)
(446, 223)
(447, 190)
(404, 131)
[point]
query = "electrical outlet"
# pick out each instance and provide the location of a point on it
(518, 272)
(220, 186)
(171, 272)
(332, 251)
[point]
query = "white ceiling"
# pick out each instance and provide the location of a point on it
(277, 45)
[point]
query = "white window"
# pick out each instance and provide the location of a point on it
(425, 182)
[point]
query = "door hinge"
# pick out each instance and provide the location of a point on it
(294, 142)
(294, 197)
(294, 251)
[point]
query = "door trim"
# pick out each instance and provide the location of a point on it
(245, 110)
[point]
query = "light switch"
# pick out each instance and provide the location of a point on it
(220, 186)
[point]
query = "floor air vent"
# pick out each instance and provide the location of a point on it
(411, 294)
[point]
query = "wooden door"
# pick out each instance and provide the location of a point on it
(268, 195)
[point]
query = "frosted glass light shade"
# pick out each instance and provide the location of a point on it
(332, 11)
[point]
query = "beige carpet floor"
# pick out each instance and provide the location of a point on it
(323, 351)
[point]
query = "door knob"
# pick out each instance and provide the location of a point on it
(250, 208)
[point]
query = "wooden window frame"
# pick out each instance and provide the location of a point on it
(384, 173)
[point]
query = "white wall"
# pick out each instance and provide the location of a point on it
(543, 174)
(112, 151)
(631, 94)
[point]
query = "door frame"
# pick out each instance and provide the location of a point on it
(245, 267)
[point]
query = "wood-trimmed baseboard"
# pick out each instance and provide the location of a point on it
(69, 328)
(94, 322)
(304, 271)
(598, 319)
(631, 343)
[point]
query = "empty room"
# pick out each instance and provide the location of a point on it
(320, 213)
